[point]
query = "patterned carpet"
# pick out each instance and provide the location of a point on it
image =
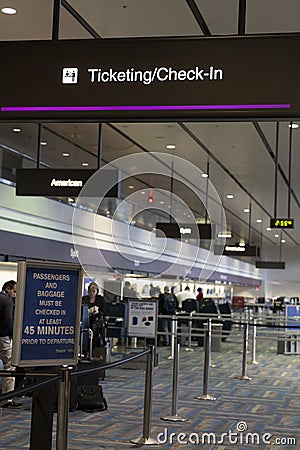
(268, 405)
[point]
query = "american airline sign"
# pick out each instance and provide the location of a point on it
(64, 182)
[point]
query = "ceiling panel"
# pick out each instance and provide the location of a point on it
(221, 17)
(137, 18)
(273, 16)
(32, 21)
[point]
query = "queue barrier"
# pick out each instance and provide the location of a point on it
(37, 437)
(67, 372)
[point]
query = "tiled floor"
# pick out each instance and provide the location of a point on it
(246, 414)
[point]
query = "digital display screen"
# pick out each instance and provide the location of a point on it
(151, 78)
(282, 223)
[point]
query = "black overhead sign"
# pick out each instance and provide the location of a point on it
(237, 250)
(151, 79)
(281, 223)
(64, 182)
(185, 231)
(270, 264)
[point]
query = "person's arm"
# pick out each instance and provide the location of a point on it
(8, 316)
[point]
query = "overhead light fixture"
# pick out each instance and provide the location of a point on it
(142, 192)
(9, 11)
(268, 229)
(276, 235)
(259, 220)
(242, 244)
(293, 125)
(171, 146)
(130, 186)
(283, 241)
(44, 143)
(246, 210)
(65, 154)
(204, 175)
(230, 196)
(161, 202)
(17, 130)
(84, 164)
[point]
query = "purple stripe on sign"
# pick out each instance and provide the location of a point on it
(143, 108)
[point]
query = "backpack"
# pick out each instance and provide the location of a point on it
(169, 304)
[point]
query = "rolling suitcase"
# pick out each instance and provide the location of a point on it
(90, 358)
(89, 393)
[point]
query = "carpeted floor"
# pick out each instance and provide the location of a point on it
(250, 414)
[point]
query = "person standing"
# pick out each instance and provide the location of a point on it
(93, 318)
(128, 291)
(167, 306)
(200, 294)
(183, 295)
(6, 334)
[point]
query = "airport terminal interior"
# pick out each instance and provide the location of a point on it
(152, 148)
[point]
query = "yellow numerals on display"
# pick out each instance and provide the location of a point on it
(282, 223)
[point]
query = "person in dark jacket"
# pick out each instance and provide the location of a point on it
(94, 318)
(6, 333)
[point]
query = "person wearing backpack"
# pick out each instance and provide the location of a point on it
(168, 305)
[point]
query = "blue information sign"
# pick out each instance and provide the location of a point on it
(46, 329)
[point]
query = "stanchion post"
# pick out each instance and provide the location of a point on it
(245, 350)
(63, 409)
(146, 439)
(254, 343)
(173, 334)
(189, 347)
(174, 417)
(207, 358)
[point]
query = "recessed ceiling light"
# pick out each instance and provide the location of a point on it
(171, 146)
(204, 175)
(17, 130)
(43, 143)
(259, 220)
(268, 229)
(66, 154)
(230, 196)
(293, 125)
(130, 186)
(161, 203)
(276, 235)
(283, 241)
(10, 11)
(246, 210)
(142, 192)
(84, 164)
